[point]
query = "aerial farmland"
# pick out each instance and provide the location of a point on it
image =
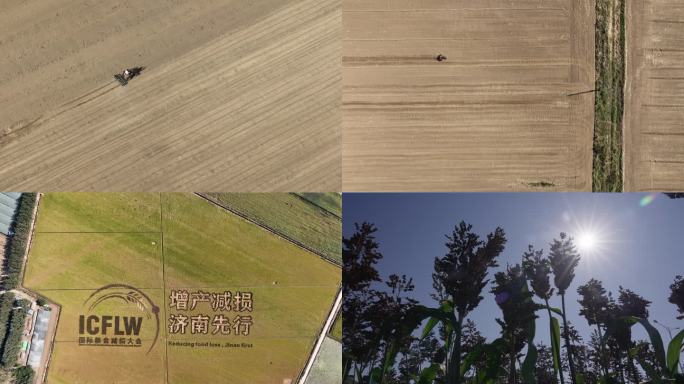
(654, 96)
(445, 95)
(148, 249)
(234, 95)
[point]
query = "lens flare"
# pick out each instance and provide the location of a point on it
(648, 199)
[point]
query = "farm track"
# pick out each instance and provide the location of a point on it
(234, 97)
(496, 116)
(654, 134)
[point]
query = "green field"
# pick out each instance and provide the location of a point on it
(330, 201)
(336, 330)
(293, 217)
(176, 242)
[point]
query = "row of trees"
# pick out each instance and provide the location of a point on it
(12, 343)
(390, 338)
(13, 314)
(16, 247)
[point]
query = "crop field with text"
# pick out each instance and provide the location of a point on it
(161, 244)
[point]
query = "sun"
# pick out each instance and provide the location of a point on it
(596, 235)
(587, 241)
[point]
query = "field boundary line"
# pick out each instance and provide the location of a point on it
(321, 337)
(163, 287)
(269, 229)
(204, 287)
(97, 233)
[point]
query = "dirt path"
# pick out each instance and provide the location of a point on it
(654, 104)
(495, 116)
(3, 244)
(234, 96)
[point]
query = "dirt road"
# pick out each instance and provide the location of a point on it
(654, 96)
(236, 95)
(496, 115)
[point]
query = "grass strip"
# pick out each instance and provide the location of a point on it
(610, 80)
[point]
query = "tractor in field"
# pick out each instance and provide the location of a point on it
(128, 74)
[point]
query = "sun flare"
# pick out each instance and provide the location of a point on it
(587, 241)
(594, 235)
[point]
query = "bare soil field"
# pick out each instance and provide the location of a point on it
(510, 109)
(235, 95)
(654, 96)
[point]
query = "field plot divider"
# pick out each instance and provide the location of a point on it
(271, 230)
(161, 239)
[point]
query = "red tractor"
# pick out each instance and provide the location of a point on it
(124, 77)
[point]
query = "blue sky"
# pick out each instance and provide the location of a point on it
(637, 241)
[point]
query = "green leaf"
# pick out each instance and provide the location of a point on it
(493, 366)
(444, 314)
(528, 366)
(390, 358)
(429, 326)
(650, 371)
(449, 332)
(494, 360)
(580, 379)
(471, 357)
(428, 375)
(654, 335)
(375, 376)
(555, 343)
(673, 352)
(557, 311)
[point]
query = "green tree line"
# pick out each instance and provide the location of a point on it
(16, 247)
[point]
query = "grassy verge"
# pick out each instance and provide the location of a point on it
(610, 80)
(330, 201)
(336, 330)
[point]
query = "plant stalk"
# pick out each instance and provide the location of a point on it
(560, 366)
(568, 346)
